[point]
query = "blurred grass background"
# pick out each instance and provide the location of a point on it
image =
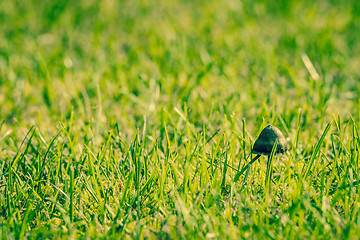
(121, 60)
(178, 66)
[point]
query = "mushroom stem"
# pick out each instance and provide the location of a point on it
(248, 164)
(268, 174)
(269, 167)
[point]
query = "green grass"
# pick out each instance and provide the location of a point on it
(136, 119)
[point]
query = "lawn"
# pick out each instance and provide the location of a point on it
(133, 119)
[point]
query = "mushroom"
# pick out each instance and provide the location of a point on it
(265, 143)
(266, 140)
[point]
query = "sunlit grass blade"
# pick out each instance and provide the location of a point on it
(310, 164)
(244, 168)
(269, 169)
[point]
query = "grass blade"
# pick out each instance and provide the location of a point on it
(316, 151)
(269, 169)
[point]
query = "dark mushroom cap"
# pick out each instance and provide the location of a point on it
(266, 140)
